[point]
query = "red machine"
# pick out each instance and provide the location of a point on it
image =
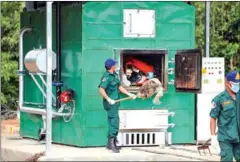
(66, 96)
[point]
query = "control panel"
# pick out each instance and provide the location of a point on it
(213, 76)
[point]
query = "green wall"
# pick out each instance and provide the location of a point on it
(89, 36)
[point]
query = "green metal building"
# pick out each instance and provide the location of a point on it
(91, 33)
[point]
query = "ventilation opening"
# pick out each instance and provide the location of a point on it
(139, 139)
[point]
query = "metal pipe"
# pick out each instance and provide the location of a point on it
(207, 24)
(21, 70)
(43, 112)
(49, 78)
(166, 125)
(38, 85)
(44, 82)
(59, 48)
(168, 114)
(44, 122)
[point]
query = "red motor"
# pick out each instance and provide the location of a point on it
(66, 96)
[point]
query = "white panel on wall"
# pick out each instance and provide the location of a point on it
(139, 23)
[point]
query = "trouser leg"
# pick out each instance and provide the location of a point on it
(226, 151)
(236, 151)
(113, 123)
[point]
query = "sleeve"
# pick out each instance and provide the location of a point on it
(104, 82)
(118, 82)
(216, 108)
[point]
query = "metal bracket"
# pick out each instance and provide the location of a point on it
(38, 85)
(57, 84)
(21, 72)
(169, 114)
(166, 125)
(171, 82)
(171, 71)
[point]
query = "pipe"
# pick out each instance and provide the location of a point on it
(42, 112)
(207, 22)
(49, 78)
(169, 113)
(40, 88)
(21, 70)
(44, 82)
(59, 48)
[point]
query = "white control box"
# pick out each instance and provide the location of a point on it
(213, 75)
(213, 83)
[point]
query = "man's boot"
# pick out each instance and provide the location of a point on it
(111, 145)
(115, 143)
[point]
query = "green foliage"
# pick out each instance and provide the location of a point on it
(224, 31)
(10, 27)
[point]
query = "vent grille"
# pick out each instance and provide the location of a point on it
(136, 139)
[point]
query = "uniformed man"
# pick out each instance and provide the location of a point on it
(109, 89)
(226, 110)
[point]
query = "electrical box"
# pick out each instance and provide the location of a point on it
(213, 74)
(213, 83)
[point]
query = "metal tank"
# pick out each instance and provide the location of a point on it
(35, 61)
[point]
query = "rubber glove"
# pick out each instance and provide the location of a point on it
(111, 101)
(215, 144)
(133, 96)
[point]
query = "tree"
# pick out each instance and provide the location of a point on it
(224, 31)
(10, 27)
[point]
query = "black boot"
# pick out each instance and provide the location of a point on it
(111, 145)
(115, 143)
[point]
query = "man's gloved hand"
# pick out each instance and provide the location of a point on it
(214, 140)
(110, 101)
(215, 144)
(133, 96)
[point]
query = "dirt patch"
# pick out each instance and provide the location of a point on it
(10, 127)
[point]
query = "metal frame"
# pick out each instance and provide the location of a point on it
(164, 52)
(49, 78)
(48, 112)
(207, 27)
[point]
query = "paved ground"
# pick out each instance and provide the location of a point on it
(14, 148)
(21, 149)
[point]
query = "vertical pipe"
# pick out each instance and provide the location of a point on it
(207, 25)
(49, 78)
(59, 47)
(20, 71)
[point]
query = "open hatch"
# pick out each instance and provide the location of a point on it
(137, 66)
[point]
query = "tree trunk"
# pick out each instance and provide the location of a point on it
(231, 63)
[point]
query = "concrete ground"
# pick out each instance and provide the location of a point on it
(17, 149)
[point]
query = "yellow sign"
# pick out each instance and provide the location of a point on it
(219, 81)
(205, 81)
(204, 71)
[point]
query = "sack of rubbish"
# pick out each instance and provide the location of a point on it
(149, 88)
